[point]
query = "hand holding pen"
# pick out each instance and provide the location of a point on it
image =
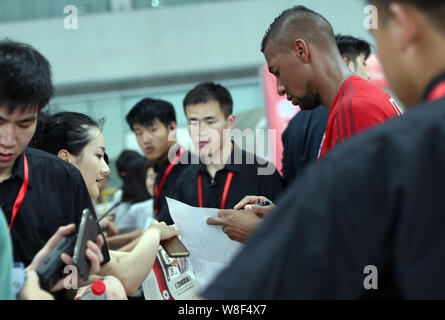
(258, 204)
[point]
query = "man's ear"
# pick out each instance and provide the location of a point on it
(231, 121)
(173, 125)
(301, 50)
(64, 155)
(405, 24)
(172, 131)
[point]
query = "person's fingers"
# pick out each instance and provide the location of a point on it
(215, 221)
(95, 250)
(60, 233)
(100, 241)
(250, 200)
(94, 261)
(230, 233)
(65, 230)
(66, 259)
(244, 201)
(32, 291)
(265, 204)
(260, 210)
(165, 231)
(170, 232)
(80, 292)
(94, 247)
(50, 245)
(222, 213)
(59, 285)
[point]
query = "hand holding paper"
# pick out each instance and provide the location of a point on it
(237, 224)
(210, 248)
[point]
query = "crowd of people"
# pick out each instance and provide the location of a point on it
(361, 182)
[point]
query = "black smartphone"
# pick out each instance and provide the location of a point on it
(88, 230)
(175, 248)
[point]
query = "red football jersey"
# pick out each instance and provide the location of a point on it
(359, 105)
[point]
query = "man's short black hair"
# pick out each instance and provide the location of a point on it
(207, 91)
(309, 23)
(25, 77)
(147, 110)
(352, 47)
(434, 9)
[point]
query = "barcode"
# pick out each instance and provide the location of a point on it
(182, 282)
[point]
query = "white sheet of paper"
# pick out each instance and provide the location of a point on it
(210, 248)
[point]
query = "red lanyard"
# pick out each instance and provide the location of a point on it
(226, 189)
(164, 177)
(22, 192)
(437, 92)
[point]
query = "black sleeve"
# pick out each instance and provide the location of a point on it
(316, 130)
(164, 215)
(302, 140)
(318, 240)
(271, 186)
(285, 155)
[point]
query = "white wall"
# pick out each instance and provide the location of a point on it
(114, 59)
(169, 41)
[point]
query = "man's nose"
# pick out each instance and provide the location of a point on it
(146, 137)
(281, 89)
(8, 135)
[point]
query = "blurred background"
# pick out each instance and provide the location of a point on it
(125, 50)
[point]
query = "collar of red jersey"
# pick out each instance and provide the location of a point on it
(433, 83)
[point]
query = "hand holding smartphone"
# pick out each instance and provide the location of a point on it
(88, 230)
(50, 271)
(175, 248)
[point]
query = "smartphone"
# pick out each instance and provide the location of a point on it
(88, 230)
(175, 248)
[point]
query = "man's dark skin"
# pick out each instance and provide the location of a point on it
(241, 221)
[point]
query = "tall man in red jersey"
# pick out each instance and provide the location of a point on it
(301, 52)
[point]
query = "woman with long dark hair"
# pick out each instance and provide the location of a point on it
(77, 138)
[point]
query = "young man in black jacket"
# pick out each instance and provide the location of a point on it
(225, 173)
(153, 121)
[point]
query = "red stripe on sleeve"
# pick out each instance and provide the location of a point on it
(351, 114)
